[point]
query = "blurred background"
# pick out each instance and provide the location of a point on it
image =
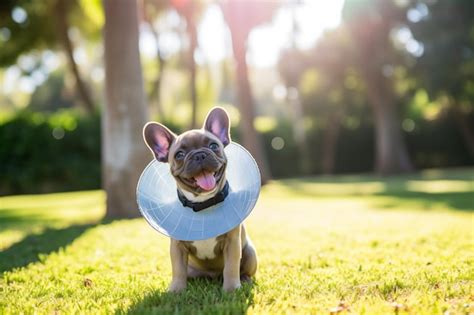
(312, 87)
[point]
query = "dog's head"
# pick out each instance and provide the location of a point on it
(196, 157)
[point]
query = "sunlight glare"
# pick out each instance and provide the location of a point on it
(265, 42)
(312, 18)
(213, 35)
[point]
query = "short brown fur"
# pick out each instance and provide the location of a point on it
(235, 255)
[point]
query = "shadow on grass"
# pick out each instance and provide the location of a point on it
(32, 248)
(202, 296)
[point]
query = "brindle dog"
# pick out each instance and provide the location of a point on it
(198, 163)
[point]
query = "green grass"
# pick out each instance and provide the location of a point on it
(369, 244)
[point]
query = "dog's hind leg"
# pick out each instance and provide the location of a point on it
(249, 263)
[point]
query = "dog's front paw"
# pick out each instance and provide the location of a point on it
(231, 285)
(177, 286)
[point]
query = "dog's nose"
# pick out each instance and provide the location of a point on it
(200, 156)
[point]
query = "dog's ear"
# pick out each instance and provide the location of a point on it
(159, 139)
(217, 122)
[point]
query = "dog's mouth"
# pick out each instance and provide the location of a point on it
(205, 180)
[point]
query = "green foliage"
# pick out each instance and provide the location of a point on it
(43, 153)
(32, 160)
(447, 63)
(279, 160)
(353, 241)
(51, 95)
(431, 144)
(92, 12)
(37, 31)
(438, 142)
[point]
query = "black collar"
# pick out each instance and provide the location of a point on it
(198, 206)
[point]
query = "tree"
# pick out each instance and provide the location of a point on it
(370, 23)
(124, 154)
(446, 67)
(190, 10)
(62, 10)
(242, 17)
(291, 69)
(151, 12)
(332, 99)
(50, 96)
(35, 30)
(322, 75)
(41, 31)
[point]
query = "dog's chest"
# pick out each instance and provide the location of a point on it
(205, 249)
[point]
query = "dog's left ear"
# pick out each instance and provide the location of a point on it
(217, 122)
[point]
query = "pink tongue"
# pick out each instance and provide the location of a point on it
(206, 181)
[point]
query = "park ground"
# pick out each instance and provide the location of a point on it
(346, 244)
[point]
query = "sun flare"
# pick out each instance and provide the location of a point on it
(312, 17)
(267, 40)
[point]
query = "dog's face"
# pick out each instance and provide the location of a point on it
(196, 157)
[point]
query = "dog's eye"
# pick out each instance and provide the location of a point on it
(214, 146)
(179, 155)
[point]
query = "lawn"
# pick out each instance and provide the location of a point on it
(350, 244)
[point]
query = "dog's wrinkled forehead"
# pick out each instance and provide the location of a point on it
(193, 139)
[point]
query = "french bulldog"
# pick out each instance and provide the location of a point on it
(198, 164)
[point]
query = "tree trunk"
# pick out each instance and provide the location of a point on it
(63, 28)
(155, 93)
(250, 138)
(465, 129)
(329, 146)
(299, 132)
(391, 152)
(124, 155)
(371, 36)
(191, 29)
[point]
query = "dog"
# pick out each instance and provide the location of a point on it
(198, 164)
